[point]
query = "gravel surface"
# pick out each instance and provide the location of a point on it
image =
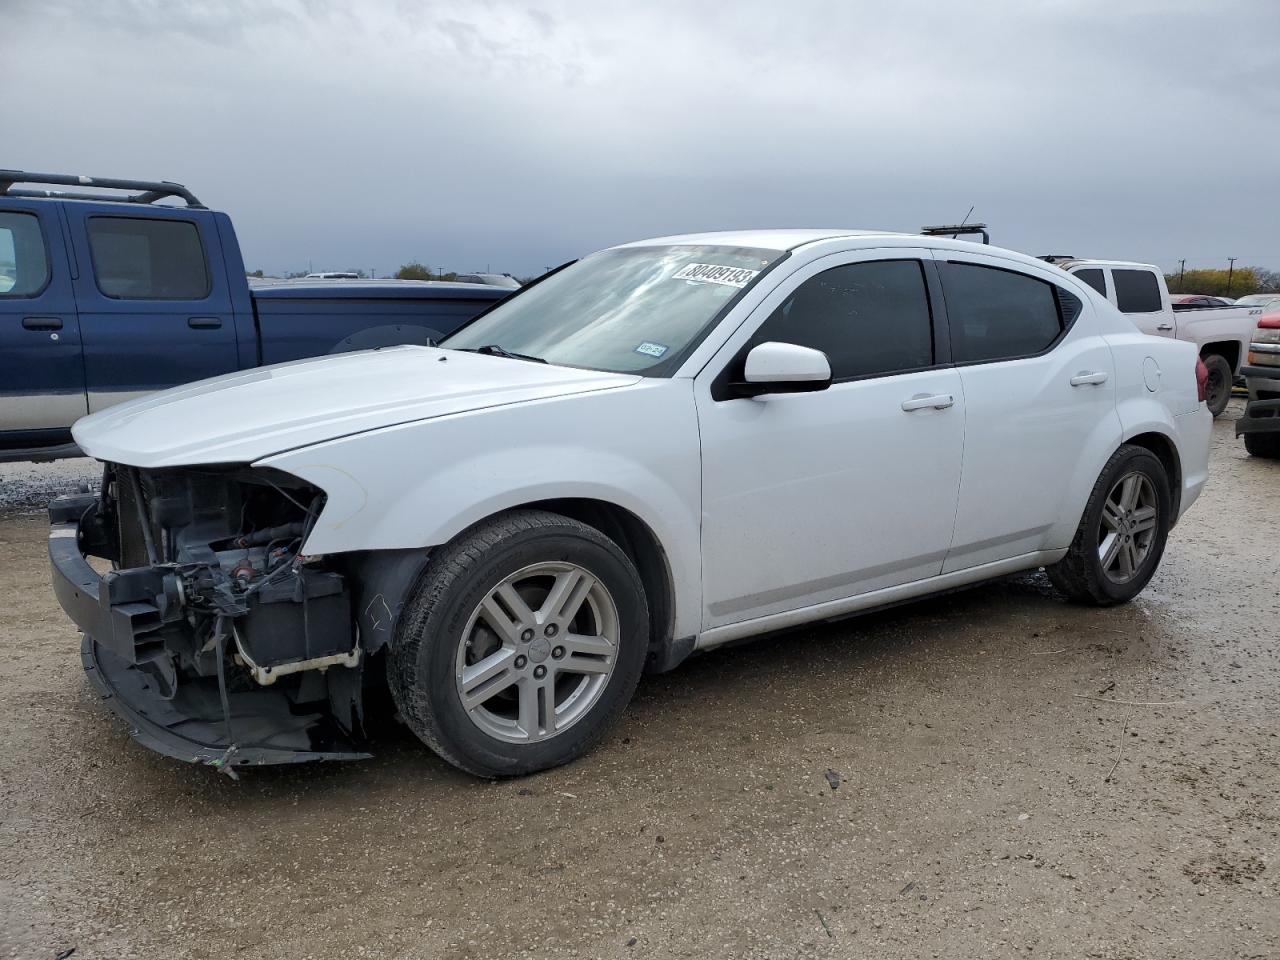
(960, 777)
(26, 485)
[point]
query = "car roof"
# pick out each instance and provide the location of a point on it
(780, 239)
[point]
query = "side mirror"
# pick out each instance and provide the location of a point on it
(783, 368)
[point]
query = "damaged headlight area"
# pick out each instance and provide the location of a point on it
(212, 633)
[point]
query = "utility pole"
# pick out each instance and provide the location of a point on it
(1182, 272)
(1231, 266)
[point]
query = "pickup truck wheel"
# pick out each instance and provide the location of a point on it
(1217, 390)
(1122, 534)
(1265, 445)
(522, 644)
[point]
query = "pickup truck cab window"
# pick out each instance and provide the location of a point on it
(1137, 291)
(24, 265)
(868, 318)
(998, 314)
(1095, 278)
(137, 259)
(624, 310)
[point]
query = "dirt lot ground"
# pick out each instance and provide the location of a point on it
(938, 780)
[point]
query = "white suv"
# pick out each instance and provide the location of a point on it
(666, 446)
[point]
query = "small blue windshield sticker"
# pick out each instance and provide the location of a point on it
(652, 349)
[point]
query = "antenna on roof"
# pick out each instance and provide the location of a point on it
(963, 228)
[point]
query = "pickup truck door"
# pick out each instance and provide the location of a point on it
(1141, 296)
(155, 305)
(42, 389)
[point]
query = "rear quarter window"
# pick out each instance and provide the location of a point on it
(1137, 291)
(136, 259)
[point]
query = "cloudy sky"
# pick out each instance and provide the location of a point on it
(516, 135)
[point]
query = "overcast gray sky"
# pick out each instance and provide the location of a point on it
(517, 135)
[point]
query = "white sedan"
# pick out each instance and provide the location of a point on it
(663, 447)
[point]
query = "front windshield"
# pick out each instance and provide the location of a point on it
(626, 310)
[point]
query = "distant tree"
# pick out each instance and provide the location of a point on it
(254, 273)
(414, 271)
(1213, 283)
(295, 274)
(1268, 280)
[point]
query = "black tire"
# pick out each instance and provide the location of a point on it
(1217, 390)
(421, 665)
(1080, 575)
(1264, 445)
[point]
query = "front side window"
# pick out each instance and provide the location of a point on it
(998, 314)
(626, 310)
(1137, 291)
(136, 259)
(868, 318)
(24, 265)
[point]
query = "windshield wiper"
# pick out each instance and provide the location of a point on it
(494, 350)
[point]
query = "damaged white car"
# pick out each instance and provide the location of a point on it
(666, 446)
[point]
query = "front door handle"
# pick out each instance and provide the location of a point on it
(1164, 326)
(1085, 376)
(938, 401)
(204, 323)
(42, 323)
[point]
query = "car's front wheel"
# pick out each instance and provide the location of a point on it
(522, 644)
(1122, 534)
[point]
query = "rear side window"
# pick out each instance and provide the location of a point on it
(1093, 278)
(135, 259)
(1136, 291)
(868, 318)
(1000, 314)
(24, 265)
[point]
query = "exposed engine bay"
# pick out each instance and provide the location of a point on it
(213, 627)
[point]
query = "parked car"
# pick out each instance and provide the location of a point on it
(492, 279)
(664, 447)
(111, 297)
(1138, 290)
(1267, 301)
(332, 275)
(1198, 300)
(1260, 425)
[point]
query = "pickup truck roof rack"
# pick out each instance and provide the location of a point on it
(956, 230)
(149, 191)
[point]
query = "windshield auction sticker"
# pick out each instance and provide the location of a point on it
(714, 273)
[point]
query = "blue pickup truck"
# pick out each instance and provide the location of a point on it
(127, 286)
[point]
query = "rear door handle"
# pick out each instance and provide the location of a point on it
(42, 323)
(938, 401)
(1084, 377)
(204, 323)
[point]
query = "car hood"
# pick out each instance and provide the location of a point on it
(242, 417)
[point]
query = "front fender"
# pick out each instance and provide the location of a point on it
(420, 484)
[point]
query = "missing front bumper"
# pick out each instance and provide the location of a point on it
(123, 613)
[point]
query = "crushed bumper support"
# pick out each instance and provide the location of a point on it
(187, 722)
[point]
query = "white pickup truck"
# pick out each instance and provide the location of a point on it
(1138, 290)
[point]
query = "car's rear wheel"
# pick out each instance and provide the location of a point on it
(1265, 445)
(1217, 389)
(1122, 533)
(522, 644)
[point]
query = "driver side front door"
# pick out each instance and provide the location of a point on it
(814, 497)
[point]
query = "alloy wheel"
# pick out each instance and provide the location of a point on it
(1128, 528)
(537, 652)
